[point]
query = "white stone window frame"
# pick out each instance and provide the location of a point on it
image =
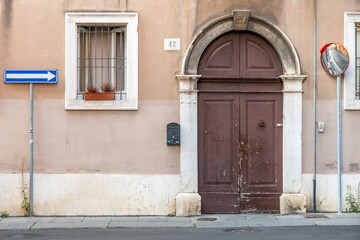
(73, 19)
(350, 100)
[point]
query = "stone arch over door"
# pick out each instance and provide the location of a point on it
(188, 201)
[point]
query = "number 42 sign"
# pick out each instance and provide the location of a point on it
(172, 44)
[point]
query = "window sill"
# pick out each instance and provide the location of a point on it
(101, 105)
(352, 104)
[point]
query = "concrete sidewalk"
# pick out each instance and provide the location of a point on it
(203, 221)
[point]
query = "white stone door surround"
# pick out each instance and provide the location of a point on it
(188, 201)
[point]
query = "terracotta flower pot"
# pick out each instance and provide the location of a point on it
(99, 96)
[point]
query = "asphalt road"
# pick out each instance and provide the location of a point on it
(293, 233)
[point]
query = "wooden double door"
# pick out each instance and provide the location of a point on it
(240, 126)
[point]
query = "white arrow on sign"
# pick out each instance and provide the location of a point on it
(47, 75)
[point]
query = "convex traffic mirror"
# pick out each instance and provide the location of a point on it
(334, 59)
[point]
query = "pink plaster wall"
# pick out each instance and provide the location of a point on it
(134, 142)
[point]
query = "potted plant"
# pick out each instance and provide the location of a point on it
(107, 92)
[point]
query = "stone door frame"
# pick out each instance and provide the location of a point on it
(188, 201)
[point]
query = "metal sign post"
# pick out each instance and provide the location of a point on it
(31, 76)
(335, 60)
(339, 138)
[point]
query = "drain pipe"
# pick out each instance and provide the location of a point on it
(315, 86)
(31, 170)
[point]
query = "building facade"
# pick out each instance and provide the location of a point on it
(238, 77)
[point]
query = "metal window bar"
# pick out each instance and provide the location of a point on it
(357, 60)
(101, 58)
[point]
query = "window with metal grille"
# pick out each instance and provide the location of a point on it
(101, 58)
(352, 74)
(101, 48)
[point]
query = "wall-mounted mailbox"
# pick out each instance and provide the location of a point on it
(173, 134)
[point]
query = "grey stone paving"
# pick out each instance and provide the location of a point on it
(297, 222)
(15, 220)
(203, 221)
(342, 221)
(16, 226)
(97, 219)
(152, 219)
(290, 217)
(178, 219)
(125, 219)
(343, 215)
(149, 224)
(42, 219)
(68, 219)
(61, 225)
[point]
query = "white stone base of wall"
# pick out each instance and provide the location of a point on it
(116, 194)
(92, 194)
(327, 190)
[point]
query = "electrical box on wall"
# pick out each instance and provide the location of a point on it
(173, 134)
(321, 127)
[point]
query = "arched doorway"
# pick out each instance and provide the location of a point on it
(188, 200)
(240, 125)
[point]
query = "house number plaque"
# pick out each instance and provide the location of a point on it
(241, 19)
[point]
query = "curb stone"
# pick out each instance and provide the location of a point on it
(219, 221)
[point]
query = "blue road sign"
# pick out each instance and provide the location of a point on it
(30, 76)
